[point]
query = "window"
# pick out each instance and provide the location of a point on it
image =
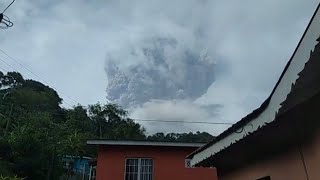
(139, 169)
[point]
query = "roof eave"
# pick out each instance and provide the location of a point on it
(142, 143)
(252, 116)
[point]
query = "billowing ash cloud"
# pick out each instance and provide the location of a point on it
(158, 68)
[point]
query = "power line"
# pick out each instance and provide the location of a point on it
(187, 122)
(174, 121)
(3, 69)
(152, 120)
(4, 20)
(8, 6)
(23, 66)
(8, 64)
(142, 120)
(18, 71)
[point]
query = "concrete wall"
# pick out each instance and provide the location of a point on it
(169, 163)
(285, 167)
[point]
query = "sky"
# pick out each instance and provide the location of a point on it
(69, 44)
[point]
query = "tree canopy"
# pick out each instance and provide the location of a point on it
(35, 132)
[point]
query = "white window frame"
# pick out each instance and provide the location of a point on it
(187, 163)
(92, 173)
(139, 167)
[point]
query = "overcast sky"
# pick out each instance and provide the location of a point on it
(67, 43)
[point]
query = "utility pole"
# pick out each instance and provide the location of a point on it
(4, 20)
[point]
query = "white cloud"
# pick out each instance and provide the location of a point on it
(67, 43)
(255, 44)
(177, 110)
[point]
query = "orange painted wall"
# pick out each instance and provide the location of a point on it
(287, 166)
(169, 163)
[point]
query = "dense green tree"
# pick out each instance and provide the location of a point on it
(157, 137)
(79, 128)
(111, 122)
(127, 129)
(182, 137)
(36, 145)
(78, 119)
(11, 79)
(34, 96)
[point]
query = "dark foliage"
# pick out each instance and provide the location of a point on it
(200, 137)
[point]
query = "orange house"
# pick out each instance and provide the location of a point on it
(141, 160)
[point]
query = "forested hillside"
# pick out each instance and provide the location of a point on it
(35, 131)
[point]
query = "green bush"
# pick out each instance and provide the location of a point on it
(11, 178)
(6, 169)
